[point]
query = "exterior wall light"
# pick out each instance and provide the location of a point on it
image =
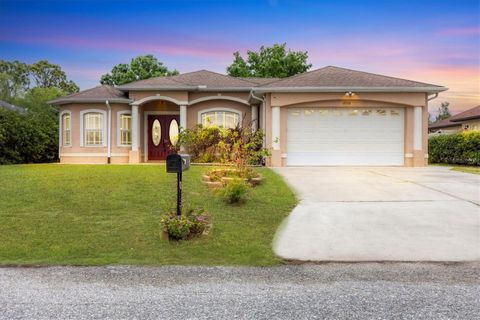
(349, 94)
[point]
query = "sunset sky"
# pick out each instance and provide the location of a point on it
(431, 41)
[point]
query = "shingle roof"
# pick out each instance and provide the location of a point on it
(190, 80)
(340, 77)
(325, 79)
(473, 113)
(97, 94)
(445, 123)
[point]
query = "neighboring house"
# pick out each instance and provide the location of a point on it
(465, 121)
(9, 106)
(329, 116)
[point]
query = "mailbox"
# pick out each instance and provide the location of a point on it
(177, 163)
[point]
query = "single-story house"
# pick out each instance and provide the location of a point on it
(465, 121)
(329, 116)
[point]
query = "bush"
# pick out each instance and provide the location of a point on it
(460, 148)
(190, 224)
(238, 146)
(235, 191)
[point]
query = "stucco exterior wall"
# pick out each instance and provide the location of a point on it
(75, 153)
(472, 125)
(194, 110)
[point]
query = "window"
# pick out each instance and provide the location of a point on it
(66, 130)
(224, 119)
(93, 127)
(125, 129)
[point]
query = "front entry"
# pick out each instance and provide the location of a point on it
(162, 134)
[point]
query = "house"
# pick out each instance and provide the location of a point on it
(329, 116)
(465, 121)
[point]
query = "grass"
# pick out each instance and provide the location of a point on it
(55, 214)
(466, 169)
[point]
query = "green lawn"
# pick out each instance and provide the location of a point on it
(467, 169)
(109, 214)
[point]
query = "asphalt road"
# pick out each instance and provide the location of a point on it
(325, 291)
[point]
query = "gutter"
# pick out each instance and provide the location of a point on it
(61, 101)
(353, 89)
(109, 131)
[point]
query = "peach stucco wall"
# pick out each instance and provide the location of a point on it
(224, 100)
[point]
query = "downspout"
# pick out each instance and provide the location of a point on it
(434, 97)
(262, 100)
(109, 131)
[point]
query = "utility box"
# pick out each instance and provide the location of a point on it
(177, 163)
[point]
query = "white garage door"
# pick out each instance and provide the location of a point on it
(345, 136)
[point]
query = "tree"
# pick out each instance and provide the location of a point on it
(269, 62)
(443, 111)
(141, 67)
(47, 75)
(14, 79)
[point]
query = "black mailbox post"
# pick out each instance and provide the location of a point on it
(177, 163)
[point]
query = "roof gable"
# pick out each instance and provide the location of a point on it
(340, 77)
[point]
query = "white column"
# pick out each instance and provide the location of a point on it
(135, 128)
(254, 118)
(183, 117)
(417, 128)
(276, 128)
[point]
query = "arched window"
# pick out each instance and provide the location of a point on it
(66, 129)
(124, 128)
(93, 126)
(224, 118)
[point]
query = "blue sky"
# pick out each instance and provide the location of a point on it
(431, 41)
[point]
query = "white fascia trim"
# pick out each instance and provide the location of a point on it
(240, 113)
(188, 88)
(92, 154)
(61, 101)
(60, 129)
(119, 124)
(104, 136)
(145, 131)
(353, 89)
(219, 98)
(158, 97)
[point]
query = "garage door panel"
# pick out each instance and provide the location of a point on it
(350, 136)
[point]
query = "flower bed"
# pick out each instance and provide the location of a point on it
(191, 224)
(219, 177)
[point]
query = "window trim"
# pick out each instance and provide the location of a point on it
(60, 126)
(220, 109)
(82, 128)
(119, 125)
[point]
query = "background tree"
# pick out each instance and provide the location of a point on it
(14, 79)
(269, 62)
(48, 75)
(141, 67)
(443, 111)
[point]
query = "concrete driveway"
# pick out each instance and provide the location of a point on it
(381, 214)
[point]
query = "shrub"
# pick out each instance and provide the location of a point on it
(235, 191)
(239, 146)
(460, 148)
(190, 224)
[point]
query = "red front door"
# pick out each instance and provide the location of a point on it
(160, 131)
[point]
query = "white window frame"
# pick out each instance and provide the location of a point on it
(60, 126)
(239, 113)
(82, 128)
(119, 126)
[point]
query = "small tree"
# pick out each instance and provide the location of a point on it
(269, 62)
(443, 111)
(141, 67)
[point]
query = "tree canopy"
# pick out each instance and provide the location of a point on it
(141, 67)
(17, 78)
(443, 111)
(269, 62)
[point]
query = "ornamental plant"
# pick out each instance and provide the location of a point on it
(235, 191)
(190, 224)
(459, 148)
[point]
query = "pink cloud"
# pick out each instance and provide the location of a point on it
(470, 31)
